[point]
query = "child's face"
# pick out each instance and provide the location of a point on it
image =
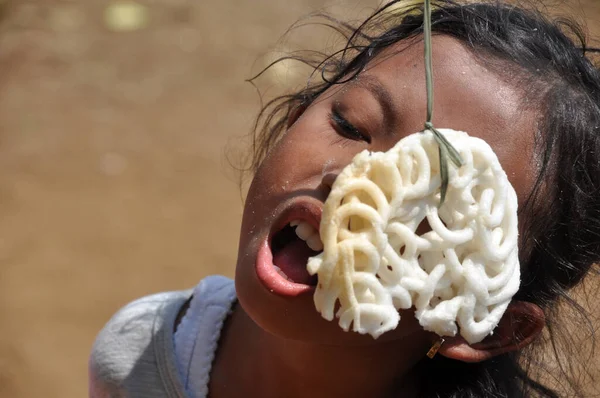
(386, 103)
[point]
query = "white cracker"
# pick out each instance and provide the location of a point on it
(460, 276)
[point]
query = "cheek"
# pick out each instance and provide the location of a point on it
(522, 176)
(310, 149)
(517, 157)
(291, 165)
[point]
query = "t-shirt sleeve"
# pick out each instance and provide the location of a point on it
(123, 361)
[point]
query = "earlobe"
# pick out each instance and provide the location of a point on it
(521, 324)
(295, 114)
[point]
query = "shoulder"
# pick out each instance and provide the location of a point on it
(197, 336)
(126, 347)
(134, 354)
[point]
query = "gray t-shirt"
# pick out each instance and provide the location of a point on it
(138, 354)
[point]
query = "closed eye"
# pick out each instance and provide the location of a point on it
(347, 129)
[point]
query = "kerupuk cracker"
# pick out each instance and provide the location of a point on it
(388, 245)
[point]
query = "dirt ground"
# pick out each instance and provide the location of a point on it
(113, 177)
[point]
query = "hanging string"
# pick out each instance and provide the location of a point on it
(445, 147)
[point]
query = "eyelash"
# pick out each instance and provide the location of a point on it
(346, 129)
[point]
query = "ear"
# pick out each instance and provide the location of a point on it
(521, 324)
(295, 114)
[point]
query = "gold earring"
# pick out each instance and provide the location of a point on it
(435, 347)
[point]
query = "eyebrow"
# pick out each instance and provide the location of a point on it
(381, 94)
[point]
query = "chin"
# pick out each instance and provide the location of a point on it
(294, 317)
(276, 291)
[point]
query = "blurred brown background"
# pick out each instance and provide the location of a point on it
(114, 121)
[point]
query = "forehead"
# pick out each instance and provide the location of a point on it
(468, 97)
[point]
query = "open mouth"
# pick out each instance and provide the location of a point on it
(283, 256)
(291, 248)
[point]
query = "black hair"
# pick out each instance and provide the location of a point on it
(562, 234)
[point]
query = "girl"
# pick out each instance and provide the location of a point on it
(504, 74)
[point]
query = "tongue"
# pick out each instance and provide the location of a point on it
(292, 259)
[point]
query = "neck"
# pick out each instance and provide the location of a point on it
(252, 362)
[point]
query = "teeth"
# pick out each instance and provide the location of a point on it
(307, 233)
(305, 230)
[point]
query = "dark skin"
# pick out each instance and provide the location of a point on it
(279, 346)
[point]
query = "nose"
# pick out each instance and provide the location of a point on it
(326, 184)
(331, 170)
(329, 179)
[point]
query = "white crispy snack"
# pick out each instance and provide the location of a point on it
(387, 245)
